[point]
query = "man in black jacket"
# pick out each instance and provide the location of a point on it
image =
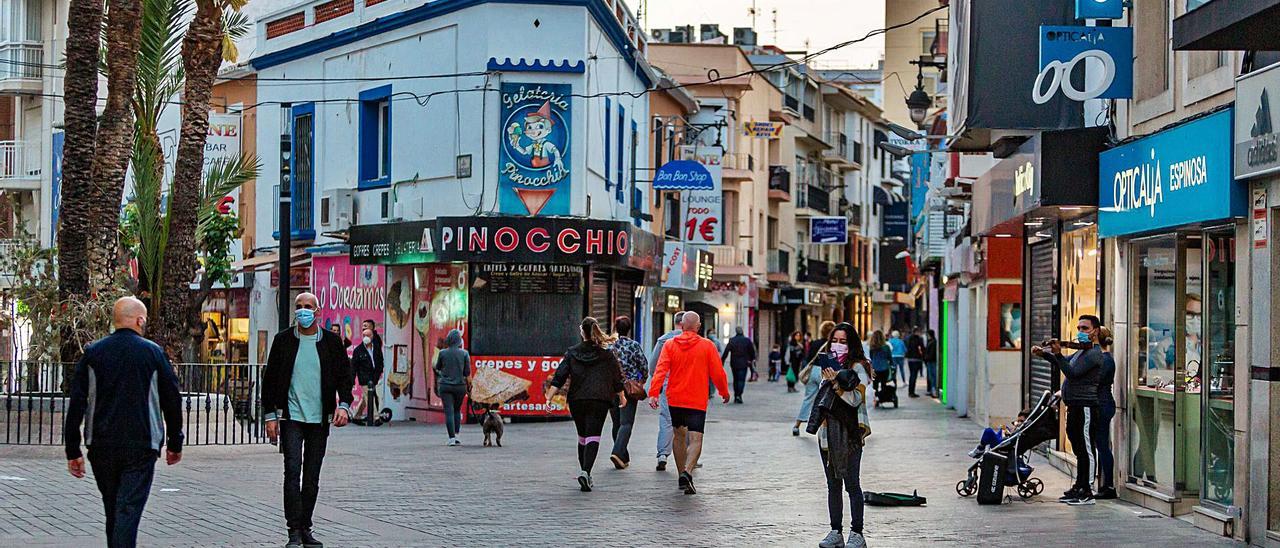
(915, 360)
(1080, 393)
(307, 370)
(123, 385)
(366, 360)
(742, 356)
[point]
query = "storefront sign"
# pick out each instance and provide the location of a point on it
(533, 161)
(560, 240)
(679, 267)
(683, 175)
(1104, 55)
(703, 210)
(527, 278)
(828, 230)
(348, 294)
(894, 222)
(1052, 169)
(762, 130)
(1260, 231)
(1175, 177)
(535, 369)
(392, 243)
(706, 270)
(1099, 9)
(673, 302)
(1257, 144)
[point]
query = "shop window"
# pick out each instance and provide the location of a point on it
(303, 172)
(375, 137)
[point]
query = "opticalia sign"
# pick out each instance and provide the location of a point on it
(1175, 177)
(1104, 56)
(1099, 9)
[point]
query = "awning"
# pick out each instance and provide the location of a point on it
(1229, 25)
(885, 197)
(266, 260)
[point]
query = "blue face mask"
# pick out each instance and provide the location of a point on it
(305, 317)
(1082, 337)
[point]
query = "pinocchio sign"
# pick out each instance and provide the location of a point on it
(532, 240)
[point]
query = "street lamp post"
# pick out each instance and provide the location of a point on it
(283, 302)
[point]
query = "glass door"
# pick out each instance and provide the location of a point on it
(1216, 382)
(1154, 290)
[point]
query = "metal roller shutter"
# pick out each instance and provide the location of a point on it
(1042, 316)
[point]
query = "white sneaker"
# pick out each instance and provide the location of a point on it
(453, 442)
(856, 541)
(834, 540)
(974, 453)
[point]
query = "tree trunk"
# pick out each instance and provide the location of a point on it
(201, 57)
(80, 92)
(115, 139)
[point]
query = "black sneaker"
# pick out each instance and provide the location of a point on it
(683, 482)
(295, 539)
(1085, 498)
(688, 487)
(1107, 493)
(309, 540)
(1070, 495)
(737, 400)
(662, 465)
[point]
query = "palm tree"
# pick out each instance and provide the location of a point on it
(80, 92)
(202, 54)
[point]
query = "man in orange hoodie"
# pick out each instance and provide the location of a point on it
(687, 363)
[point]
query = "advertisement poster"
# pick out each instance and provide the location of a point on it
(538, 370)
(533, 159)
(440, 305)
(349, 295)
(702, 216)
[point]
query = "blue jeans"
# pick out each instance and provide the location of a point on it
(124, 479)
(624, 419)
(931, 376)
(666, 435)
(1101, 434)
(901, 363)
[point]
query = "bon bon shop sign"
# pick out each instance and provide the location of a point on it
(566, 240)
(1175, 177)
(534, 170)
(538, 370)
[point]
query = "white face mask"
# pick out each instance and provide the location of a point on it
(1193, 324)
(367, 341)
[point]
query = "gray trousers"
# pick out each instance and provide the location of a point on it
(666, 435)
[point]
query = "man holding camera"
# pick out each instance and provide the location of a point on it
(1080, 392)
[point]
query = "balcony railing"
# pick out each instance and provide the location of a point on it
(813, 271)
(739, 160)
(779, 261)
(815, 198)
(19, 160)
(854, 213)
(21, 60)
(780, 179)
(727, 255)
(791, 103)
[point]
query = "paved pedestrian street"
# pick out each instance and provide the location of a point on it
(400, 486)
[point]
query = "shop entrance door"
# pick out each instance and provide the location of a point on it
(1216, 382)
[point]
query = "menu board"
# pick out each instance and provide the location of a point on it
(527, 278)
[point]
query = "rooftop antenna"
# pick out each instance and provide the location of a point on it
(753, 12)
(643, 15)
(775, 26)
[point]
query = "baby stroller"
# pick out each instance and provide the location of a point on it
(1005, 464)
(887, 391)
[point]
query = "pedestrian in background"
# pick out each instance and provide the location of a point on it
(1101, 431)
(453, 382)
(794, 359)
(336, 329)
(819, 346)
(915, 360)
(775, 363)
(665, 433)
(899, 353)
(841, 423)
(595, 386)
(122, 387)
(687, 364)
(306, 385)
(741, 353)
(931, 364)
(812, 378)
(632, 359)
(881, 356)
(367, 364)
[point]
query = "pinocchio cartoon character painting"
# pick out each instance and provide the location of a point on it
(536, 128)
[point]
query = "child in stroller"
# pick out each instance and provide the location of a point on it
(1031, 429)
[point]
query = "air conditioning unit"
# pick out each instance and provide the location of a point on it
(337, 209)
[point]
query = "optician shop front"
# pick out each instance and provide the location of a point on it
(517, 288)
(1169, 203)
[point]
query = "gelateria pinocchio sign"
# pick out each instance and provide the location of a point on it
(567, 240)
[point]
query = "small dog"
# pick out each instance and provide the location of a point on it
(492, 424)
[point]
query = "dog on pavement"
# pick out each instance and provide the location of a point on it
(492, 424)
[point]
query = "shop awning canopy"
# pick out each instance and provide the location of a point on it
(266, 260)
(1229, 25)
(887, 197)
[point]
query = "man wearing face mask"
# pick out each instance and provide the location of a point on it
(367, 363)
(307, 373)
(1080, 393)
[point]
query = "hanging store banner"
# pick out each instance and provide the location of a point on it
(1257, 144)
(702, 215)
(1175, 177)
(828, 230)
(762, 130)
(392, 243)
(683, 175)
(679, 267)
(533, 160)
(1102, 55)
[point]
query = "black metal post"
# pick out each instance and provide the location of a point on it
(283, 299)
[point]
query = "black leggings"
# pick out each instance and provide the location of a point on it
(589, 416)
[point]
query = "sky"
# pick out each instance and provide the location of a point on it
(822, 23)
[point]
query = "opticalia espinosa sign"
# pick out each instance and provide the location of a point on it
(1104, 55)
(1175, 177)
(1257, 144)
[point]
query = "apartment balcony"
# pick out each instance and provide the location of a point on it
(813, 271)
(730, 261)
(19, 165)
(779, 268)
(854, 213)
(21, 67)
(815, 198)
(779, 183)
(837, 156)
(737, 166)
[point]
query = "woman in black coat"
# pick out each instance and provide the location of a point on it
(594, 377)
(840, 421)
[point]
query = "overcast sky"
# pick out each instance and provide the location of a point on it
(822, 23)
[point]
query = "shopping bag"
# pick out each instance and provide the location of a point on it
(791, 376)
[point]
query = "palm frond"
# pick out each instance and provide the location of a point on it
(222, 178)
(235, 25)
(148, 223)
(160, 55)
